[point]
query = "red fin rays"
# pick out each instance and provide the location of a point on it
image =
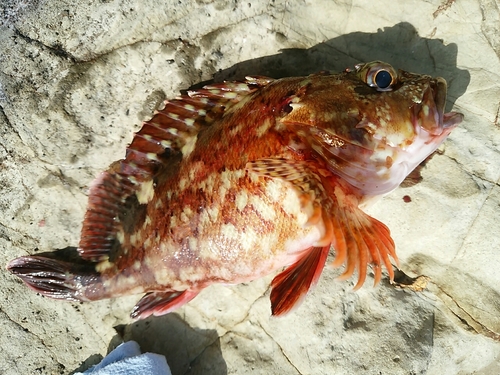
(161, 303)
(290, 287)
(52, 277)
(158, 144)
(360, 240)
(227, 93)
(106, 199)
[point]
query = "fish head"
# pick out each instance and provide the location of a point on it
(373, 125)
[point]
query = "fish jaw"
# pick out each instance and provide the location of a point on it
(403, 160)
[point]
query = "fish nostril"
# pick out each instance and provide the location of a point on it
(287, 108)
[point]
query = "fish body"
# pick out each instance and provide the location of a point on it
(240, 179)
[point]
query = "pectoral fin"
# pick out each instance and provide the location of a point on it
(359, 239)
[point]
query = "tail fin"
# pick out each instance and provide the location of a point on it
(55, 276)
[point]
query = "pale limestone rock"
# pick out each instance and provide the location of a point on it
(76, 80)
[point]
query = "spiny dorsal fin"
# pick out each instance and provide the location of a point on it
(182, 118)
(128, 183)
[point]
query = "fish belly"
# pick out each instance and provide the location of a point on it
(243, 231)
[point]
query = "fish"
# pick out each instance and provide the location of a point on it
(238, 180)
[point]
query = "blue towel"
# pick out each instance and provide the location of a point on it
(127, 359)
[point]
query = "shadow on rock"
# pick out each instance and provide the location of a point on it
(399, 45)
(93, 360)
(189, 351)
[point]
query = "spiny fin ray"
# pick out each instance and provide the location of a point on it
(359, 239)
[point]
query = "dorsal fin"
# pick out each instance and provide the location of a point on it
(129, 183)
(181, 119)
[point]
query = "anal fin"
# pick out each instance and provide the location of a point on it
(161, 303)
(290, 287)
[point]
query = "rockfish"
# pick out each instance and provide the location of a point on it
(237, 180)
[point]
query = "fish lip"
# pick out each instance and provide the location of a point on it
(436, 121)
(452, 119)
(440, 89)
(447, 120)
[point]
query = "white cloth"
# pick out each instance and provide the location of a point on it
(127, 359)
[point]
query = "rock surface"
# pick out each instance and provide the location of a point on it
(77, 79)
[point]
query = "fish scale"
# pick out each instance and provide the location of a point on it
(238, 180)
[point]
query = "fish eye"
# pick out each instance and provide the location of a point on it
(382, 79)
(378, 75)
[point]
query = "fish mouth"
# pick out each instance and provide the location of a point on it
(430, 113)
